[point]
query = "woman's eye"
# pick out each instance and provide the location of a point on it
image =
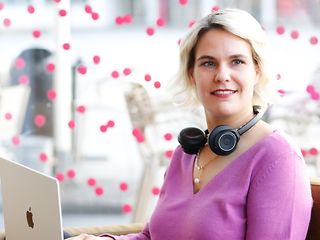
(207, 64)
(238, 62)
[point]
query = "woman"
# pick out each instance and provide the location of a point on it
(259, 190)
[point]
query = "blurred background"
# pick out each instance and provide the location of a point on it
(84, 97)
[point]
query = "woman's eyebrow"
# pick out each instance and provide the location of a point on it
(205, 57)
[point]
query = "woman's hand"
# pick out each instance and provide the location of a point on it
(85, 236)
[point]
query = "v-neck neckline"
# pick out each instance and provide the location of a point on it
(225, 169)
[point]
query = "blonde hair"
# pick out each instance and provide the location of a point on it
(237, 22)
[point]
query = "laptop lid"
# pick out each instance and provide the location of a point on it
(31, 203)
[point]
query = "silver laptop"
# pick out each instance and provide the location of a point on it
(31, 203)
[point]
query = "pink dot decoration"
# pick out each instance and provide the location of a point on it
(7, 22)
(294, 34)
(50, 67)
(96, 59)
(15, 140)
(138, 135)
(62, 13)
(215, 8)
(40, 120)
(51, 94)
(280, 30)
(126, 208)
(314, 40)
(20, 63)
(99, 191)
(127, 19)
(82, 69)
(43, 157)
(157, 84)
(304, 152)
(183, 2)
(71, 124)
(91, 182)
(191, 23)
(71, 174)
(310, 89)
(281, 92)
(23, 79)
(103, 128)
(161, 22)
(127, 71)
(88, 8)
(168, 154)
(110, 123)
(123, 186)
(36, 33)
(115, 74)
(31, 9)
(150, 31)
(1, 5)
(8, 116)
(147, 77)
(95, 16)
(60, 176)
(313, 151)
(119, 20)
(155, 191)
(66, 46)
(315, 96)
(168, 136)
(81, 109)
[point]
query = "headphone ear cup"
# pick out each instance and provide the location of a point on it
(192, 140)
(223, 140)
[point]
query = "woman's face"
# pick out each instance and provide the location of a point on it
(224, 74)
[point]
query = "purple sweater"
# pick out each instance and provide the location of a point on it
(263, 194)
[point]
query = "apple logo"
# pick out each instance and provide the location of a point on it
(29, 216)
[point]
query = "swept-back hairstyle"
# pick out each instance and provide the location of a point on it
(241, 24)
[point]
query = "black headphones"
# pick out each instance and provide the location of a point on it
(222, 140)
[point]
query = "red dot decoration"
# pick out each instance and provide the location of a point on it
(36, 33)
(71, 124)
(157, 84)
(62, 13)
(23, 79)
(168, 154)
(60, 176)
(150, 31)
(168, 136)
(280, 30)
(15, 140)
(123, 186)
(82, 69)
(50, 67)
(20, 63)
(215, 8)
(294, 34)
(126, 208)
(95, 16)
(127, 71)
(91, 182)
(155, 191)
(115, 74)
(88, 8)
(71, 174)
(81, 109)
(313, 151)
(43, 157)
(99, 191)
(183, 2)
(51, 94)
(40, 120)
(304, 152)
(8, 116)
(6, 22)
(136, 132)
(31, 9)
(66, 46)
(314, 40)
(161, 22)
(147, 77)
(96, 59)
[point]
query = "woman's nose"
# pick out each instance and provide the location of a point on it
(222, 74)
